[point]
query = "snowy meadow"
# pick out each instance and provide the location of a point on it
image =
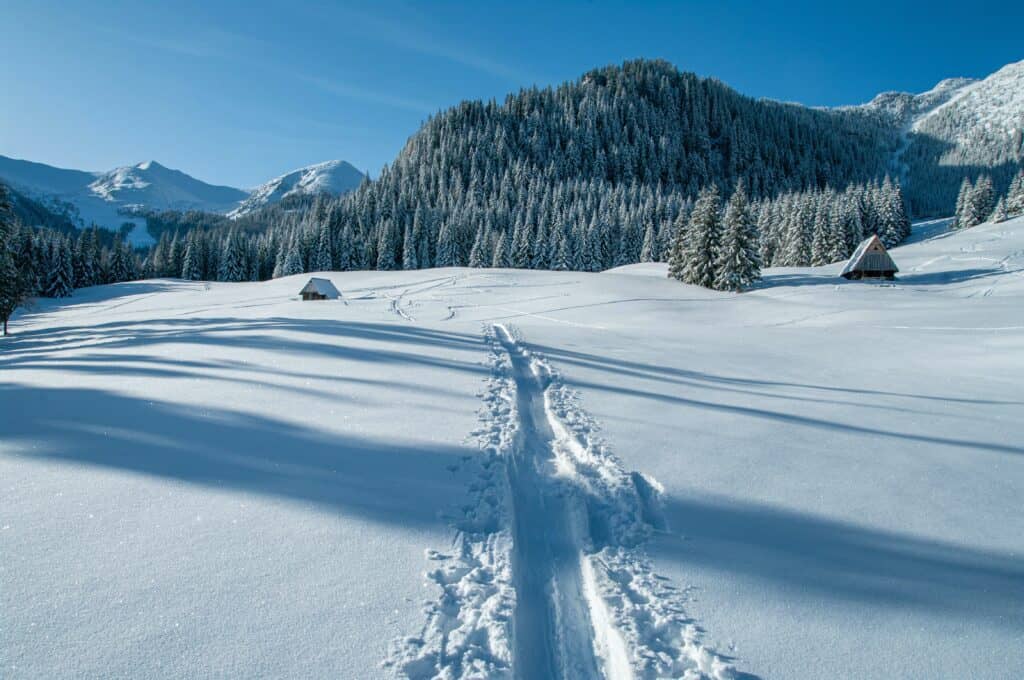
(464, 472)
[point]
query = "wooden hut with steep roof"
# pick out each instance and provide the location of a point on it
(870, 261)
(319, 289)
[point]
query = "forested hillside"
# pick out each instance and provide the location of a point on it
(596, 173)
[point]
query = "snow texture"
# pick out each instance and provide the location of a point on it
(107, 198)
(817, 478)
(332, 177)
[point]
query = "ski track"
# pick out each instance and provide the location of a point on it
(546, 576)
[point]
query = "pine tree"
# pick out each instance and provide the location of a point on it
(387, 248)
(1015, 196)
(892, 229)
(677, 253)
(981, 201)
(447, 255)
(648, 250)
(703, 237)
(738, 264)
(519, 255)
(999, 212)
(409, 255)
(191, 264)
(232, 266)
(324, 258)
(292, 260)
(822, 234)
(960, 215)
(61, 271)
(14, 286)
(480, 255)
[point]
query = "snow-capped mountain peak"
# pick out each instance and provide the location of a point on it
(334, 177)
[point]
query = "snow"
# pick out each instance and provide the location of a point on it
(333, 177)
(818, 478)
(995, 103)
(108, 198)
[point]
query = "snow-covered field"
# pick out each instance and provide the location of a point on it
(816, 479)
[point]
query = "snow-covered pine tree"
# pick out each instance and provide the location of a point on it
(562, 259)
(822, 234)
(1015, 196)
(648, 249)
(481, 254)
(837, 249)
(981, 200)
(192, 264)
(738, 262)
(14, 285)
(323, 259)
(900, 209)
(502, 246)
(519, 253)
(447, 254)
(703, 237)
(387, 247)
(292, 259)
(409, 254)
(232, 263)
(677, 253)
(999, 212)
(960, 213)
(890, 214)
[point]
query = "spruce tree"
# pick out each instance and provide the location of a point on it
(1015, 196)
(648, 250)
(737, 264)
(999, 212)
(703, 238)
(677, 251)
(409, 255)
(14, 285)
(324, 258)
(982, 200)
(960, 214)
(822, 234)
(191, 264)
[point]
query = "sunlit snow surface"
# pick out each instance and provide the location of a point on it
(221, 480)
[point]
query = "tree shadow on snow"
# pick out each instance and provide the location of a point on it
(837, 560)
(396, 481)
(297, 338)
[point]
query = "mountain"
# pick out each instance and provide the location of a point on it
(154, 186)
(333, 177)
(119, 196)
(961, 127)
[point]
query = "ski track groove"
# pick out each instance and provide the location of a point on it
(546, 576)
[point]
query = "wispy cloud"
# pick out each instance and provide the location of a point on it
(353, 92)
(405, 36)
(210, 42)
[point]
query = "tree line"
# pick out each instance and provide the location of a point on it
(977, 202)
(43, 262)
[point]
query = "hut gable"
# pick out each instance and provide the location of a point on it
(319, 289)
(870, 260)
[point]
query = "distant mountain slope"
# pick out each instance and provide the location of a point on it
(960, 127)
(152, 185)
(333, 177)
(113, 198)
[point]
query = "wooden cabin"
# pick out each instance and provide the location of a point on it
(870, 261)
(319, 289)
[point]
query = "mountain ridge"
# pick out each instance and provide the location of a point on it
(114, 197)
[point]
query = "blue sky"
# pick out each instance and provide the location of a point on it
(237, 92)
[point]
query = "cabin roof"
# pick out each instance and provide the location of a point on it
(321, 287)
(870, 255)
